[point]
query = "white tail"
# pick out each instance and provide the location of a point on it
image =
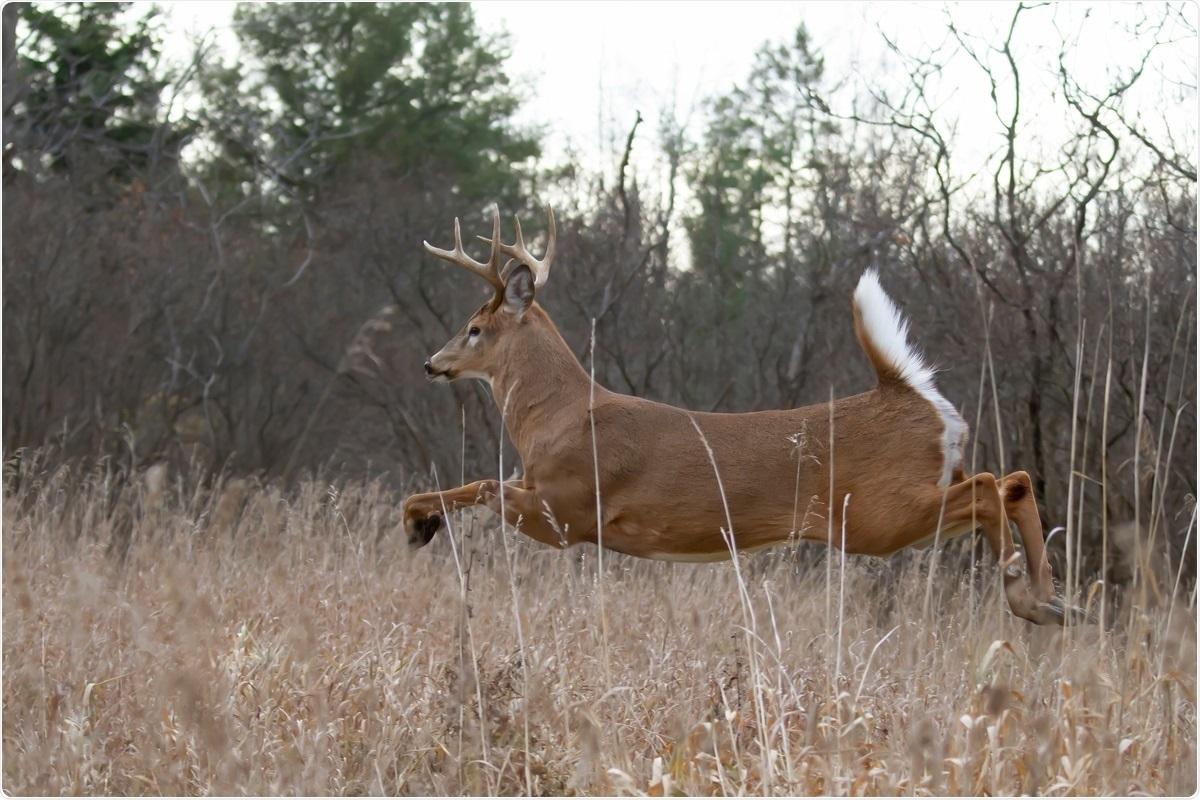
(886, 329)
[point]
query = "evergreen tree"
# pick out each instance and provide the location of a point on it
(763, 178)
(761, 140)
(417, 84)
(89, 92)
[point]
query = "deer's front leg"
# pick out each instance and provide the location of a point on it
(423, 513)
(525, 511)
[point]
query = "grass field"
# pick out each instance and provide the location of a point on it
(254, 642)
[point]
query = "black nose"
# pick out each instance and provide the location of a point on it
(428, 368)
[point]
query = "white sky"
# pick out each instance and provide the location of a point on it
(592, 65)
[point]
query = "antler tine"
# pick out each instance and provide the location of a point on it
(518, 252)
(489, 271)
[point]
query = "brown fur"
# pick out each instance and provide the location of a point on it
(659, 490)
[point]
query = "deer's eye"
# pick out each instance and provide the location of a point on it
(474, 331)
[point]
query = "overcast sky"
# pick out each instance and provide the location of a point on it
(592, 65)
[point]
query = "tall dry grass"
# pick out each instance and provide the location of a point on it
(163, 638)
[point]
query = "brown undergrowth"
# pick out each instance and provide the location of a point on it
(239, 640)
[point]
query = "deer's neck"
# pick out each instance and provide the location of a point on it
(539, 383)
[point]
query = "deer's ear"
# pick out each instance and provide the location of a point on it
(518, 291)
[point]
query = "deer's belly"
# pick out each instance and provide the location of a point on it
(720, 555)
(663, 546)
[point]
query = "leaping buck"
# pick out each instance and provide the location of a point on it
(897, 450)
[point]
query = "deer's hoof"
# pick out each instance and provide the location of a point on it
(421, 530)
(1056, 612)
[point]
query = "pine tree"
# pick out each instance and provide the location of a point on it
(416, 84)
(89, 94)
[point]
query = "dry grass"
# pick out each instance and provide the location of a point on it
(252, 642)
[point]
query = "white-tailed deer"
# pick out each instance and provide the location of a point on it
(897, 450)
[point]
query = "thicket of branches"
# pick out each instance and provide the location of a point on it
(222, 264)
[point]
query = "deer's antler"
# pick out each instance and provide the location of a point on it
(520, 254)
(489, 271)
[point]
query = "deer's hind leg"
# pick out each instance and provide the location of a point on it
(978, 501)
(1021, 508)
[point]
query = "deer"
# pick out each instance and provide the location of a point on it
(881, 471)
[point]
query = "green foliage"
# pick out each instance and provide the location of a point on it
(753, 156)
(417, 84)
(90, 84)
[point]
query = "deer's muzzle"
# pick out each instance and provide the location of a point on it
(434, 374)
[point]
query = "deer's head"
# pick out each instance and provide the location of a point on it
(495, 328)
